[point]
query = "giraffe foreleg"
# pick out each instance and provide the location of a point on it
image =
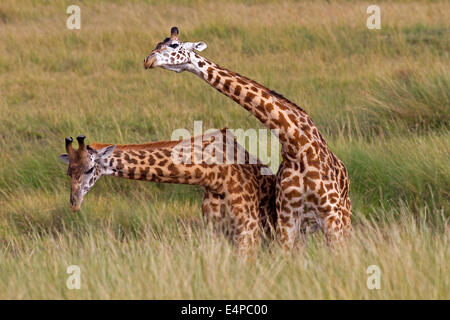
(214, 212)
(244, 221)
(289, 206)
(287, 222)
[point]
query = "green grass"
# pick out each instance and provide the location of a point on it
(381, 99)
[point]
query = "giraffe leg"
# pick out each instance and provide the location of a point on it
(245, 228)
(334, 228)
(287, 223)
(347, 218)
(214, 212)
(286, 232)
(301, 239)
(288, 210)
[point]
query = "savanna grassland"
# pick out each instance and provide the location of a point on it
(381, 98)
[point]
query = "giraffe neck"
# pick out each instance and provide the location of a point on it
(156, 164)
(272, 109)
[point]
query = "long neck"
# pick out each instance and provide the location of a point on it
(272, 109)
(157, 164)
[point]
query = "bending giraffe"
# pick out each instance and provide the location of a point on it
(312, 184)
(238, 189)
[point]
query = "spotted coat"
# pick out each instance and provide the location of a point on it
(312, 184)
(238, 191)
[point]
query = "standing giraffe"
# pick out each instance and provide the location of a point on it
(237, 193)
(312, 184)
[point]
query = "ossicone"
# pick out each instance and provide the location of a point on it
(174, 33)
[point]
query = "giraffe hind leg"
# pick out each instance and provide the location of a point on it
(286, 230)
(289, 211)
(334, 229)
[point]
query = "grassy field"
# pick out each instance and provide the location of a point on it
(380, 97)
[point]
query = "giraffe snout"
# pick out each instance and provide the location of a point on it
(149, 61)
(75, 202)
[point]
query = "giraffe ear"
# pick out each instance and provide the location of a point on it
(105, 152)
(200, 46)
(64, 158)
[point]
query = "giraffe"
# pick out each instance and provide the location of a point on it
(312, 184)
(238, 188)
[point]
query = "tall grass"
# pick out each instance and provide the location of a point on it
(183, 260)
(381, 99)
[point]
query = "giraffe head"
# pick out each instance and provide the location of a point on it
(172, 54)
(85, 168)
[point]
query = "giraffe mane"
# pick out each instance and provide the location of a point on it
(277, 95)
(145, 146)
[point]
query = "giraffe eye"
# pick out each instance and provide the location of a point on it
(90, 170)
(175, 45)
